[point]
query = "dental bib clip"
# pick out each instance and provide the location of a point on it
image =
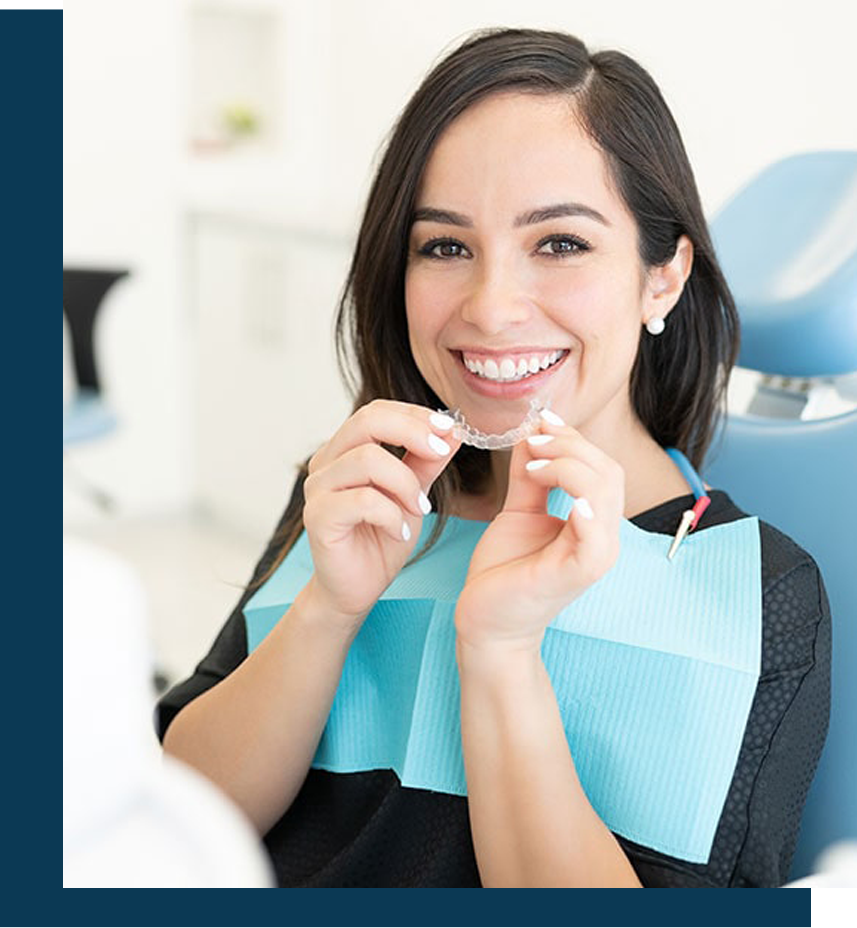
(472, 436)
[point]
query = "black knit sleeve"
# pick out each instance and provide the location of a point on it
(790, 742)
(230, 646)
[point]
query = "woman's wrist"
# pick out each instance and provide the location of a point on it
(504, 659)
(312, 610)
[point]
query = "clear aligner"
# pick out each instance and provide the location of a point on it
(472, 436)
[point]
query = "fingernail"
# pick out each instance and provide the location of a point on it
(551, 417)
(537, 464)
(437, 444)
(581, 505)
(424, 504)
(406, 532)
(441, 421)
(540, 439)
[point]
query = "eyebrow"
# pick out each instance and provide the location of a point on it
(531, 218)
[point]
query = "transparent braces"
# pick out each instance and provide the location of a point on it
(472, 436)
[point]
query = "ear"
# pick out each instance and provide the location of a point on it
(665, 282)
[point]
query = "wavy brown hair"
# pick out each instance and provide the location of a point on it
(679, 378)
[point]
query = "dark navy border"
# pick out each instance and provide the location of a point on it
(455, 907)
(30, 677)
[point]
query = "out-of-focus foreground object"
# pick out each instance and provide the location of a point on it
(836, 868)
(132, 818)
(788, 246)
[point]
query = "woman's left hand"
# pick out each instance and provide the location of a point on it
(528, 565)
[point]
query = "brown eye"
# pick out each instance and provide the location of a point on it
(558, 246)
(444, 248)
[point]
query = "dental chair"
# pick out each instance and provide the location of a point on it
(788, 246)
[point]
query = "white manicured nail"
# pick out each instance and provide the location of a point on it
(441, 421)
(437, 444)
(581, 505)
(406, 532)
(551, 417)
(538, 464)
(424, 504)
(540, 439)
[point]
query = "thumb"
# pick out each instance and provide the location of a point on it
(524, 494)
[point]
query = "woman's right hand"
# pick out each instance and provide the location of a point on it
(362, 510)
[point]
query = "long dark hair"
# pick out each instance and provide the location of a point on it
(679, 378)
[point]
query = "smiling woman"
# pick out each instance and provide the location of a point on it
(519, 688)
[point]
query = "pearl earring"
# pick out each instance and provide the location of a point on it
(655, 325)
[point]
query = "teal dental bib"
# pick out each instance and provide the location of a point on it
(654, 668)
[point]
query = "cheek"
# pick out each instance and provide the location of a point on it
(422, 311)
(426, 306)
(577, 300)
(594, 306)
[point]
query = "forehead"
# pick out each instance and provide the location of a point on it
(519, 149)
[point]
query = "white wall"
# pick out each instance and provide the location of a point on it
(122, 95)
(749, 82)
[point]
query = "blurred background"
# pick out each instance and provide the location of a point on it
(219, 151)
(216, 158)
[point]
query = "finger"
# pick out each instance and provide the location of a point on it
(566, 444)
(553, 441)
(558, 440)
(595, 494)
(523, 493)
(427, 470)
(591, 533)
(370, 465)
(332, 517)
(417, 429)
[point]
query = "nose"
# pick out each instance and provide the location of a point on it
(496, 299)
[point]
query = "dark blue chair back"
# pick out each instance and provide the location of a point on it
(788, 246)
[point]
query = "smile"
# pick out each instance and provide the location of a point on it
(511, 368)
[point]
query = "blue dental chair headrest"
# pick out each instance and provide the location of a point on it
(787, 243)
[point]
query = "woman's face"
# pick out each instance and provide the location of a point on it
(523, 258)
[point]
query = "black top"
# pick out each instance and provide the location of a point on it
(366, 829)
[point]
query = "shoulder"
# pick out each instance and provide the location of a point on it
(785, 564)
(781, 555)
(795, 611)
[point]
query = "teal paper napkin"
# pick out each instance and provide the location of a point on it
(654, 668)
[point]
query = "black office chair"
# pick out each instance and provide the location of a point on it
(83, 290)
(87, 416)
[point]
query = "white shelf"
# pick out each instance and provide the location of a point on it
(235, 54)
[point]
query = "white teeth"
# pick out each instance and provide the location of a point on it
(508, 371)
